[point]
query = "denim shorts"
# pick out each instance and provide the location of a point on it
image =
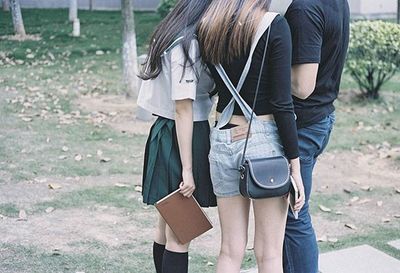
(225, 156)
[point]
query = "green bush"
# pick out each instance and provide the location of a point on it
(374, 54)
(165, 7)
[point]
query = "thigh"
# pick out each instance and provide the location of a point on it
(270, 220)
(234, 220)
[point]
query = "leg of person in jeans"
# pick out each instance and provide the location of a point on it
(300, 246)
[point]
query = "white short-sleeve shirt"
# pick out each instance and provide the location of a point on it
(158, 95)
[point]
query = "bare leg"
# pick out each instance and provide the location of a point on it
(159, 244)
(173, 243)
(270, 220)
(160, 237)
(234, 220)
(176, 258)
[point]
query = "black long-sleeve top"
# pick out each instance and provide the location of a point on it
(274, 95)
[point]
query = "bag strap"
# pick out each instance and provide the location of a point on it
(255, 98)
(263, 26)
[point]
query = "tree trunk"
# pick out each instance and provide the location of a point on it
(16, 14)
(6, 5)
(73, 10)
(398, 11)
(91, 5)
(129, 52)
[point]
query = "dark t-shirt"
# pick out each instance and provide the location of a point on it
(274, 95)
(320, 34)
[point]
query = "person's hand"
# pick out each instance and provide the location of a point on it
(187, 186)
(299, 183)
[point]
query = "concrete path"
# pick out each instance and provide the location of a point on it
(360, 259)
(395, 244)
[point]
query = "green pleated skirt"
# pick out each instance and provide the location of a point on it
(162, 171)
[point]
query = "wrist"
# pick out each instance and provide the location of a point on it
(187, 169)
(295, 165)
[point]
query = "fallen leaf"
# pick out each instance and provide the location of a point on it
(27, 119)
(121, 185)
(333, 240)
(366, 188)
(22, 215)
(54, 186)
(396, 216)
(385, 220)
(78, 157)
(350, 226)
(105, 159)
(2, 216)
(210, 264)
(324, 209)
(379, 203)
(354, 199)
(49, 210)
(62, 157)
(346, 190)
(65, 149)
(339, 213)
(138, 188)
(364, 201)
(56, 252)
(397, 190)
(323, 238)
(99, 152)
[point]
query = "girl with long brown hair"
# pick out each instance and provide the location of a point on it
(254, 48)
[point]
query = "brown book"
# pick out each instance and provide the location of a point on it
(184, 216)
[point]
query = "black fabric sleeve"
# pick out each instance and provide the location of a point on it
(307, 28)
(279, 93)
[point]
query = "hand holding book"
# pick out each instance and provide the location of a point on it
(184, 216)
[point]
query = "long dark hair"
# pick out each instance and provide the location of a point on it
(181, 21)
(228, 28)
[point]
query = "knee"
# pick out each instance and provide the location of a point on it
(160, 236)
(268, 253)
(174, 245)
(234, 250)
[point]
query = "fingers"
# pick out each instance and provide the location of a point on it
(186, 189)
(300, 202)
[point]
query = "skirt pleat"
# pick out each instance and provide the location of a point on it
(162, 170)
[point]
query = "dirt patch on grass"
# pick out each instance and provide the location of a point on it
(335, 172)
(115, 111)
(67, 229)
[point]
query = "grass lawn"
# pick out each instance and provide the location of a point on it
(44, 134)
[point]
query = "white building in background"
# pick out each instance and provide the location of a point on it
(359, 8)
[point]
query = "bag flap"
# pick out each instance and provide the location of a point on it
(269, 173)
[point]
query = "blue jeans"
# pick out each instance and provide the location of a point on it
(300, 253)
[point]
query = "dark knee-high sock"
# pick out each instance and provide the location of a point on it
(174, 262)
(158, 254)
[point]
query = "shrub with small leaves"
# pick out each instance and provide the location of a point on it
(165, 7)
(374, 55)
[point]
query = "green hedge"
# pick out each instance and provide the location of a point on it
(374, 54)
